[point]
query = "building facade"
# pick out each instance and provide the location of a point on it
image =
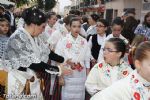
(116, 8)
(89, 6)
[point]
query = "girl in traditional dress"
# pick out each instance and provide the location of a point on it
(135, 86)
(92, 21)
(60, 33)
(97, 40)
(4, 34)
(75, 48)
(50, 26)
(26, 54)
(112, 69)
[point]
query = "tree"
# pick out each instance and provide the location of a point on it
(49, 4)
(20, 2)
(46, 4)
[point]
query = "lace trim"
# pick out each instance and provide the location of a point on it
(21, 62)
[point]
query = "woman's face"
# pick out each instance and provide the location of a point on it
(52, 20)
(38, 29)
(116, 30)
(148, 20)
(100, 28)
(90, 20)
(110, 53)
(4, 27)
(75, 27)
(143, 67)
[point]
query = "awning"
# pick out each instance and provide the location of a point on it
(6, 2)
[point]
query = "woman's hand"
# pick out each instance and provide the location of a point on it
(72, 64)
(65, 71)
(93, 62)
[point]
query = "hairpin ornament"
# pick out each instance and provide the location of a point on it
(34, 14)
(40, 16)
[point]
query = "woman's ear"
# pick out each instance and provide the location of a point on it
(119, 54)
(106, 28)
(137, 64)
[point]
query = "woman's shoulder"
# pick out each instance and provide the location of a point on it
(113, 92)
(19, 34)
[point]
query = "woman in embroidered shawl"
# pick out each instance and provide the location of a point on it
(136, 86)
(26, 54)
(112, 69)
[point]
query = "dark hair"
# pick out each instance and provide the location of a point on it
(23, 15)
(1, 7)
(145, 17)
(67, 19)
(5, 20)
(50, 14)
(10, 6)
(34, 15)
(85, 19)
(106, 24)
(130, 11)
(117, 21)
(58, 16)
(95, 17)
(119, 44)
(142, 50)
(75, 12)
(129, 27)
(74, 19)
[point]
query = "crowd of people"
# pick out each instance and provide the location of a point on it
(78, 57)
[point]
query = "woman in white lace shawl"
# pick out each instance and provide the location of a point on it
(27, 53)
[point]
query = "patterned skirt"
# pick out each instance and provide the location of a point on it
(56, 93)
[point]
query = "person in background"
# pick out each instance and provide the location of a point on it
(135, 86)
(144, 28)
(97, 40)
(129, 28)
(50, 27)
(75, 48)
(60, 19)
(4, 34)
(92, 22)
(21, 22)
(112, 69)
(3, 14)
(85, 23)
(128, 13)
(10, 12)
(136, 41)
(60, 33)
(117, 27)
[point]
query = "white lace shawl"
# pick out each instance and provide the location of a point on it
(22, 50)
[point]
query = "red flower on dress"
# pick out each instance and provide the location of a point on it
(68, 45)
(125, 72)
(136, 80)
(78, 67)
(137, 96)
(100, 65)
(108, 70)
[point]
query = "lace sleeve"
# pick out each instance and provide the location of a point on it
(19, 52)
